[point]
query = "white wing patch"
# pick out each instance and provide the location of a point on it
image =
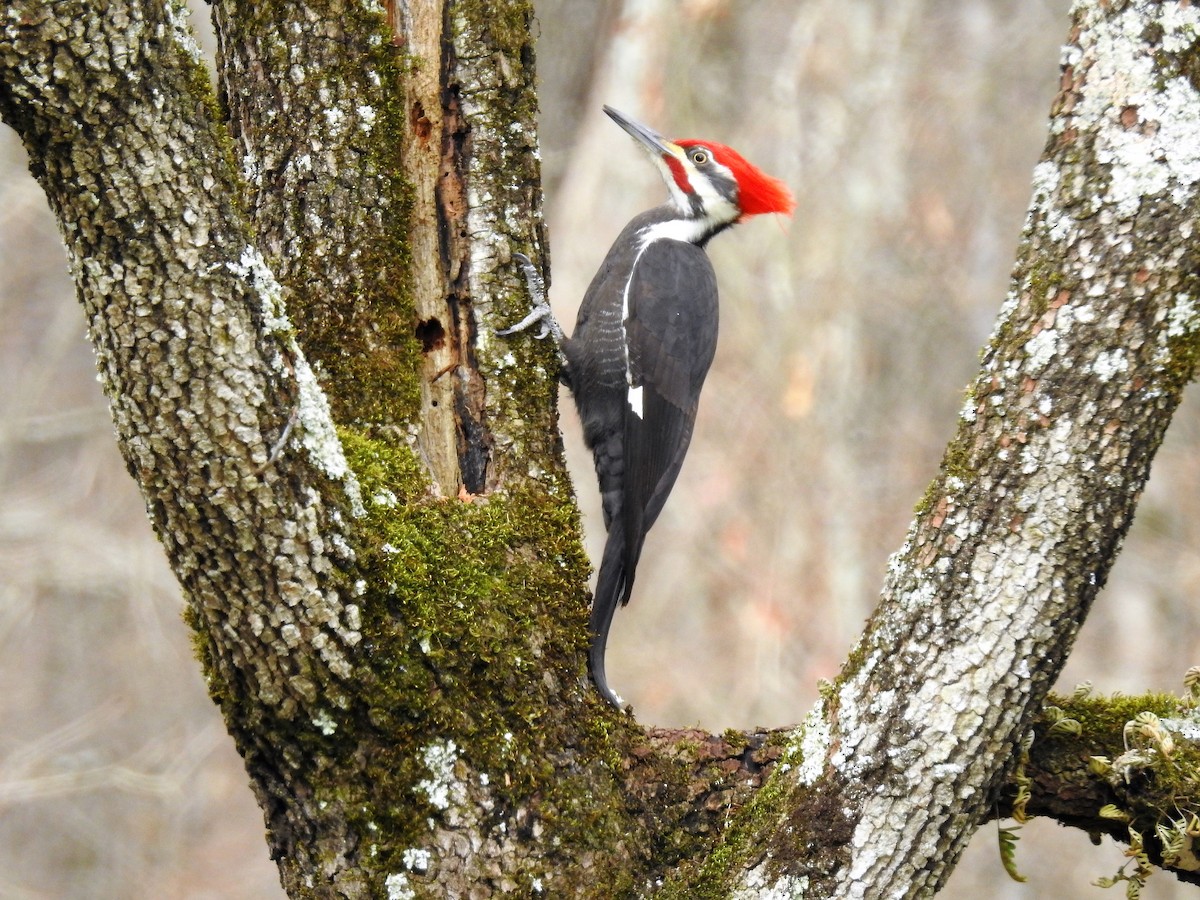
(635, 400)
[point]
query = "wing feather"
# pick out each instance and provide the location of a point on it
(671, 331)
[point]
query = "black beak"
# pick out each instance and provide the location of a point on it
(648, 137)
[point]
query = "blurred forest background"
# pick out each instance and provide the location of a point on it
(908, 131)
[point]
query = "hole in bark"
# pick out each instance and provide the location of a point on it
(431, 334)
(419, 122)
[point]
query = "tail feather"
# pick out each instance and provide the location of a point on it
(612, 587)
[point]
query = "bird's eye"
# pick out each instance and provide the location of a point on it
(699, 157)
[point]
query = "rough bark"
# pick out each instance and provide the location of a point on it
(390, 612)
(218, 413)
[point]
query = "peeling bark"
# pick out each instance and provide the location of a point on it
(429, 154)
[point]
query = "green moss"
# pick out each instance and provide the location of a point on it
(202, 648)
(1169, 774)
(506, 24)
(735, 738)
(199, 87)
(710, 877)
(779, 825)
(362, 339)
(505, 28)
(1184, 63)
(956, 463)
(1103, 718)
(474, 631)
(1184, 346)
(486, 578)
(1184, 359)
(1044, 283)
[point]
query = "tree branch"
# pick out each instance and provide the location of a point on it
(1118, 766)
(1090, 354)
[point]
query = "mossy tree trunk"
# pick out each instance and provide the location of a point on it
(291, 286)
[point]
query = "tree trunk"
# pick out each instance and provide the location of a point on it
(292, 286)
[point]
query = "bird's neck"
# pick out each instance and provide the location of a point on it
(668, 222)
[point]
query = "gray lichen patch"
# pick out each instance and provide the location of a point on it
(317, 432)
(1146, 113)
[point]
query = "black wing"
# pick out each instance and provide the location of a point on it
(671, 331)
(671, 335)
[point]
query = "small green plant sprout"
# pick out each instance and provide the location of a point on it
(1191, 681)
(1178, 839)
(1130, 762)
(1112, 811)
(1193, 826)
(1026, 744)
(1142, 870)
(1022, 781)
(1008, 851)
(1148, 726)
(1082, 691)
(1008, 836)
(1060, 722)
(1147, 743)
(1174, 839)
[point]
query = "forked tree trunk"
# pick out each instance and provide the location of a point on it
(291, 288)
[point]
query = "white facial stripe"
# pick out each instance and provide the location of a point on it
(724, 170)
(678, 196)
(717, 208)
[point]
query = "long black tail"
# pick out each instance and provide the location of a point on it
(612, 587)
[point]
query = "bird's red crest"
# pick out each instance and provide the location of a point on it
(758, 192)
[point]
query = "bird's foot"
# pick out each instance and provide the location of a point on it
(540, 313)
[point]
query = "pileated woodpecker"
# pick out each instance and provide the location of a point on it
(643, 342)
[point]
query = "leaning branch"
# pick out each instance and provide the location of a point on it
(1100, 332)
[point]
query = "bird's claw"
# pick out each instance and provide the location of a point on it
(540, 313)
